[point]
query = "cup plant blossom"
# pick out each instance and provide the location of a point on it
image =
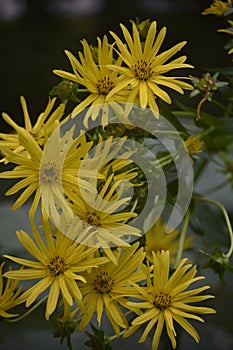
(97, 254)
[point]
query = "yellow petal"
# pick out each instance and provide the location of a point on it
(52, 298)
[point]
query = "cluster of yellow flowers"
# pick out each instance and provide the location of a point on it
(80, 272)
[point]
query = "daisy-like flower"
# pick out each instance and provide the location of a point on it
(110, 157)
(40, 131)
(87, 213)
(107, 287)
(60, 263)
(193, 145)
(9, 295)
(168, 299)
(59, 164)
(100, 211)
(100, 221)
(144, 69)
(157, 239)
(217, 8)
(96, 77)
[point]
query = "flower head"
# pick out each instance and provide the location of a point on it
(217, 8)
(91, 71)
(168, 299)
(107, 287)
(59, 164)
(60, 263)
(9, 296)
(100, 221)
(194, 144)
(144, 69)
(40, 131)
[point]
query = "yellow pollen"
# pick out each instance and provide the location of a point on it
(49, 173)
(57, 266)
(162, 301)
(142, 70)
(104, 86)
(103, 283)
(92, 219)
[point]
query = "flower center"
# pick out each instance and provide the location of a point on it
(34, 134)
(142, 70)
(57, 266)
(92, 219)
(162, 301)
(103, 283)
(49, 173)
(104, 86)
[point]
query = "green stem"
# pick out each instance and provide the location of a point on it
(165, 158)
(28, 312)
(83, 90)
(228, 110)
(68, 342)
(182, 238)
(220, 105)
(225, 214)
(113, 337)
(185, 114)
(168, 159)
(207, 131)
(168, 132)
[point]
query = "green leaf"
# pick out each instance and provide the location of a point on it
(64, 330)
(98, 340)
(218, 262)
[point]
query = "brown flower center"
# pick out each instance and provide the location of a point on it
(162, 301)
(92, 219)
(34, 134)
(57, 266)
(103, 283)
(142, 70)
(104, 86)
(49, 173)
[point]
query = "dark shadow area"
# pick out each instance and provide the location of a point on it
(33, 44)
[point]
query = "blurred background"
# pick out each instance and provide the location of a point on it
(33, 37)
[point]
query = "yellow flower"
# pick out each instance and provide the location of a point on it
(144, 68)
(45, 173)
(167, 299)
(158, 239)
(60, 263)
(44, 126)
(100, 221)
(217, 8)
(109, 156)
(96, 77)
(9, 296)
(94, 215)
(193, 144)
(108, 286)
